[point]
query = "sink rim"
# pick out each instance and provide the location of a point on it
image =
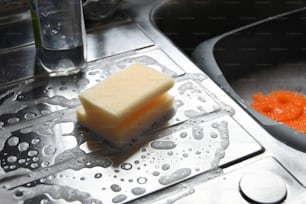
(204, 57)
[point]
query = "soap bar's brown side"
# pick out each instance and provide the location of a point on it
(116, 97)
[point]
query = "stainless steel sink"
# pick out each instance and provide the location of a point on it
(265, 56)
(210, 143)
(189, 22)
(245, 47)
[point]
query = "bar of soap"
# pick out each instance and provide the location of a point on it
(126, 103)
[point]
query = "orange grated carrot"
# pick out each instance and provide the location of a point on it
(284, 106)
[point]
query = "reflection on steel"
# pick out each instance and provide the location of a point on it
(44, 114)
(48, 157)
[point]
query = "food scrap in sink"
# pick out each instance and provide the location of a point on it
(284, 106)
(127, 103)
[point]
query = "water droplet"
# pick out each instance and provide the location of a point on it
(45, 112)
(116, 188)
(197, 132)
(92, 73)
(13, 141)
(29, 116)
(228, 109)
(98, 175)
(23, 146)
(35, 159)
(222, 128)
(19, 194)
(65, 128)
(82, 83)
(165, 167)
(170, 153)
(11, 159)
(26, 130)
(202, 99)
(213, 135)
(156, 173)
(185, 155)
(49, 150)
(32, 153)
(45, 201)
(142, 180)
(194, 113)
(45, 163)
(215, 125)
(13, 167)
(178, 103)
(63, 88)
(35, 141)
(165, 145)
(175, 176)
(138, 191)
(34, 165)
(43, 180)
(62, 101)
(126, 166)
(119, 198)
(13, 120)
(21, 161)
(183, 134)
(184, 87)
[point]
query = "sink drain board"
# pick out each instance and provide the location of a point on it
(46, 156)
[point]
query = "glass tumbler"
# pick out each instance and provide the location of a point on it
(60, 35)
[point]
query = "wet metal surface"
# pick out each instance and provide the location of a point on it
(104, 39)
(41, 137)
(206, 145)
(268, 168)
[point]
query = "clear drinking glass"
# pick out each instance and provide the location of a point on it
(59, 33)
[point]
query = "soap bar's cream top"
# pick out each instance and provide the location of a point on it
(118, 96)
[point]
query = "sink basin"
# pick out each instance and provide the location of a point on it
(263, 56)
(189, 22)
